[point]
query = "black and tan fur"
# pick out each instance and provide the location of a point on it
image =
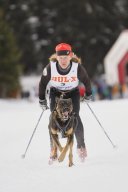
(59, 124)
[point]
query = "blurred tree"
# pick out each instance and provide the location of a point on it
(9, 61)
(21, 20)
(91, 26)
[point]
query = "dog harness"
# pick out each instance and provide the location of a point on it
(64, 82)
(66, 126)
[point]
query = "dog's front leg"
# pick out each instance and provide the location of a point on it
(56, 141)
(65, 149)
(53, 154)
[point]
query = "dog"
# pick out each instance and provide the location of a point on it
(62, 121)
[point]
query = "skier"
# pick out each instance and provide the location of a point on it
(64, 72)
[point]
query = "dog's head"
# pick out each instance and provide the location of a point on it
(64, 108)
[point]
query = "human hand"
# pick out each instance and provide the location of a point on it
(43, 104)
(88, 98)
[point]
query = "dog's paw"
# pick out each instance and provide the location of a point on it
(60, 160)
(70, 164)
(52, 160)
(61, 157)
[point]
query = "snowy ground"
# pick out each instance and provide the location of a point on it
(105, 169)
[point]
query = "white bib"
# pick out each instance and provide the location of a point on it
(64, 82)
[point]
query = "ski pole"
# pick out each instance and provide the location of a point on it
(23, 156)
(114, 146)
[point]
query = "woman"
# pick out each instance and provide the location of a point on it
(64, 72)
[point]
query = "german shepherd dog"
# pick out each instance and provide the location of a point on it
(62, 121)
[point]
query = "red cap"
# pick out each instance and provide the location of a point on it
(63, 47)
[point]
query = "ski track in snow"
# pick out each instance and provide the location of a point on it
(105, 169)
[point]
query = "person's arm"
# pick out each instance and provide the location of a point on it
(45, 78)
(84, 78)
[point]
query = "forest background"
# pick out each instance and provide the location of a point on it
(30, 30)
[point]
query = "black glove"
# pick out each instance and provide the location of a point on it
(43, 104)
(88, 98)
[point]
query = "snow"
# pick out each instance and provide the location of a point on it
(105, 169)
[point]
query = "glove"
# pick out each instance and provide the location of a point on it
(88, 98)
(43, 104)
